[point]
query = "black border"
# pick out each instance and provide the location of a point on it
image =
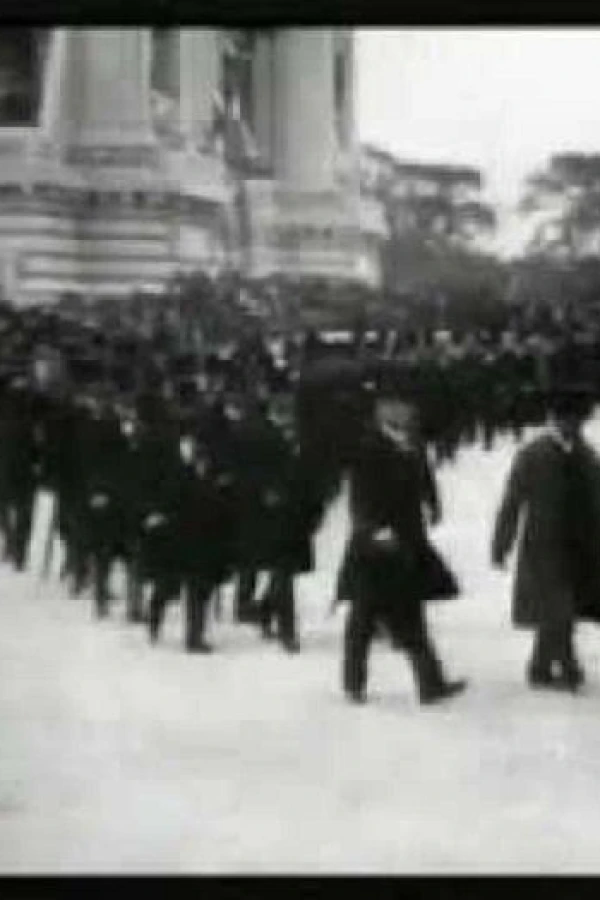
(243, 887)
(278, 13)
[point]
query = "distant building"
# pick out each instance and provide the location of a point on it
(129, 155)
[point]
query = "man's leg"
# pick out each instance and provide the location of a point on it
(571, 673)
(9, 550)
(267, 608)
(23, 521)
(163, 590)
(197, 596)
(135, 598)
(360, 627)
(244, 598)
(80, 566)
(101, 563)
(489, 434)
(411, 633)
(539, 671)
(5, 526)
(81, 551)
(285, 610)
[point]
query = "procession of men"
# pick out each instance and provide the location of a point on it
(194, 469)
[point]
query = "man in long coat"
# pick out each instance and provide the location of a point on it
(20, 464)
(394, 570)
(190, 540)
(291, 512)
(553, 493)
(100, 440)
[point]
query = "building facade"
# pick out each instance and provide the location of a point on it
(130, 155)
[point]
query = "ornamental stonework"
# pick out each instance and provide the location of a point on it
(113, 156)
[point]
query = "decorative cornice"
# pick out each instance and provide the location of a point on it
(128, 156)
(328, 235)
(45, 148)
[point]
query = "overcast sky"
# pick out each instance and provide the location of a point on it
(500, 99)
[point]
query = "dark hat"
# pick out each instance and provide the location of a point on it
(124, 378)
(85, 369)
(150, 405)
(187, 389)
(213, 364)
(12, 366)
(185, 364)
(126, 348)
(575, 399)
(279, 381)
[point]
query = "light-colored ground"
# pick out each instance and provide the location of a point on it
(116, 757)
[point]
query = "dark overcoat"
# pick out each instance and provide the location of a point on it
(545, 589)
(278, 506)
(67, 465)
(133, 488)
(196, 537)
(388, 488)
(100, 440)
(20, 447)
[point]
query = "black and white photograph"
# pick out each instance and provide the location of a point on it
(299, 450)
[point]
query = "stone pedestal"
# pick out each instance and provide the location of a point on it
(301, 234)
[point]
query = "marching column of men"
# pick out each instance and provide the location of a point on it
(186, 492)
(191, 476)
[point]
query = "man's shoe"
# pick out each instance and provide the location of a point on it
(267, 631)
(357, 696)
(248, 616)
(443, 692)
(538, 678)
(137, 617)
(199, 647)
(291, 645)
(571, 679)
(78, 586)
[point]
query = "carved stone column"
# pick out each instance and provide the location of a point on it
(199, 80)
(348, 112)
(53, 85)
(263, 92)
(106, 98)
(305, 140)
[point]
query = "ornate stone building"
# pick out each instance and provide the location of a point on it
(128, 155)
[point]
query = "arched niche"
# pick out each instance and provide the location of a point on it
(23, 53)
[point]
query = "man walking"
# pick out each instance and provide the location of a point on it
(553, 493)
(392, 568)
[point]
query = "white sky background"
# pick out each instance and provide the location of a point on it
(500, 99)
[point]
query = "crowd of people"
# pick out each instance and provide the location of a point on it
(196, 451)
